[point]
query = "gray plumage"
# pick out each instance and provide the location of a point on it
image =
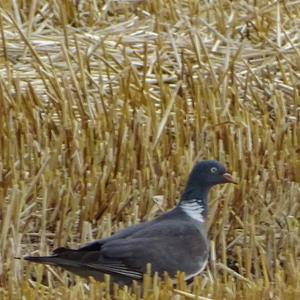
(175, 241)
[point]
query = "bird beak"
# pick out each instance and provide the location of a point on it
(228, 177)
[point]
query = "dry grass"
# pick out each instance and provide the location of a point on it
(105, 105)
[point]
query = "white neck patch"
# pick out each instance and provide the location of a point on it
(193, 209)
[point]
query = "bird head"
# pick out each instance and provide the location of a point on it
(209, 173)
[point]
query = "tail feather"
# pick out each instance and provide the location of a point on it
(83, 264)
(48, 260)
(54, 260)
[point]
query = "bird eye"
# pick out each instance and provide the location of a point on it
(214, 170)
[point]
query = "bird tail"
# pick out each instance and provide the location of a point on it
(47, 260)
(69, 260)
(61, 257)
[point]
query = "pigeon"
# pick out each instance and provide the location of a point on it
(174, 241)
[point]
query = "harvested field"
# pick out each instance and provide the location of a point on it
(106, 105)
